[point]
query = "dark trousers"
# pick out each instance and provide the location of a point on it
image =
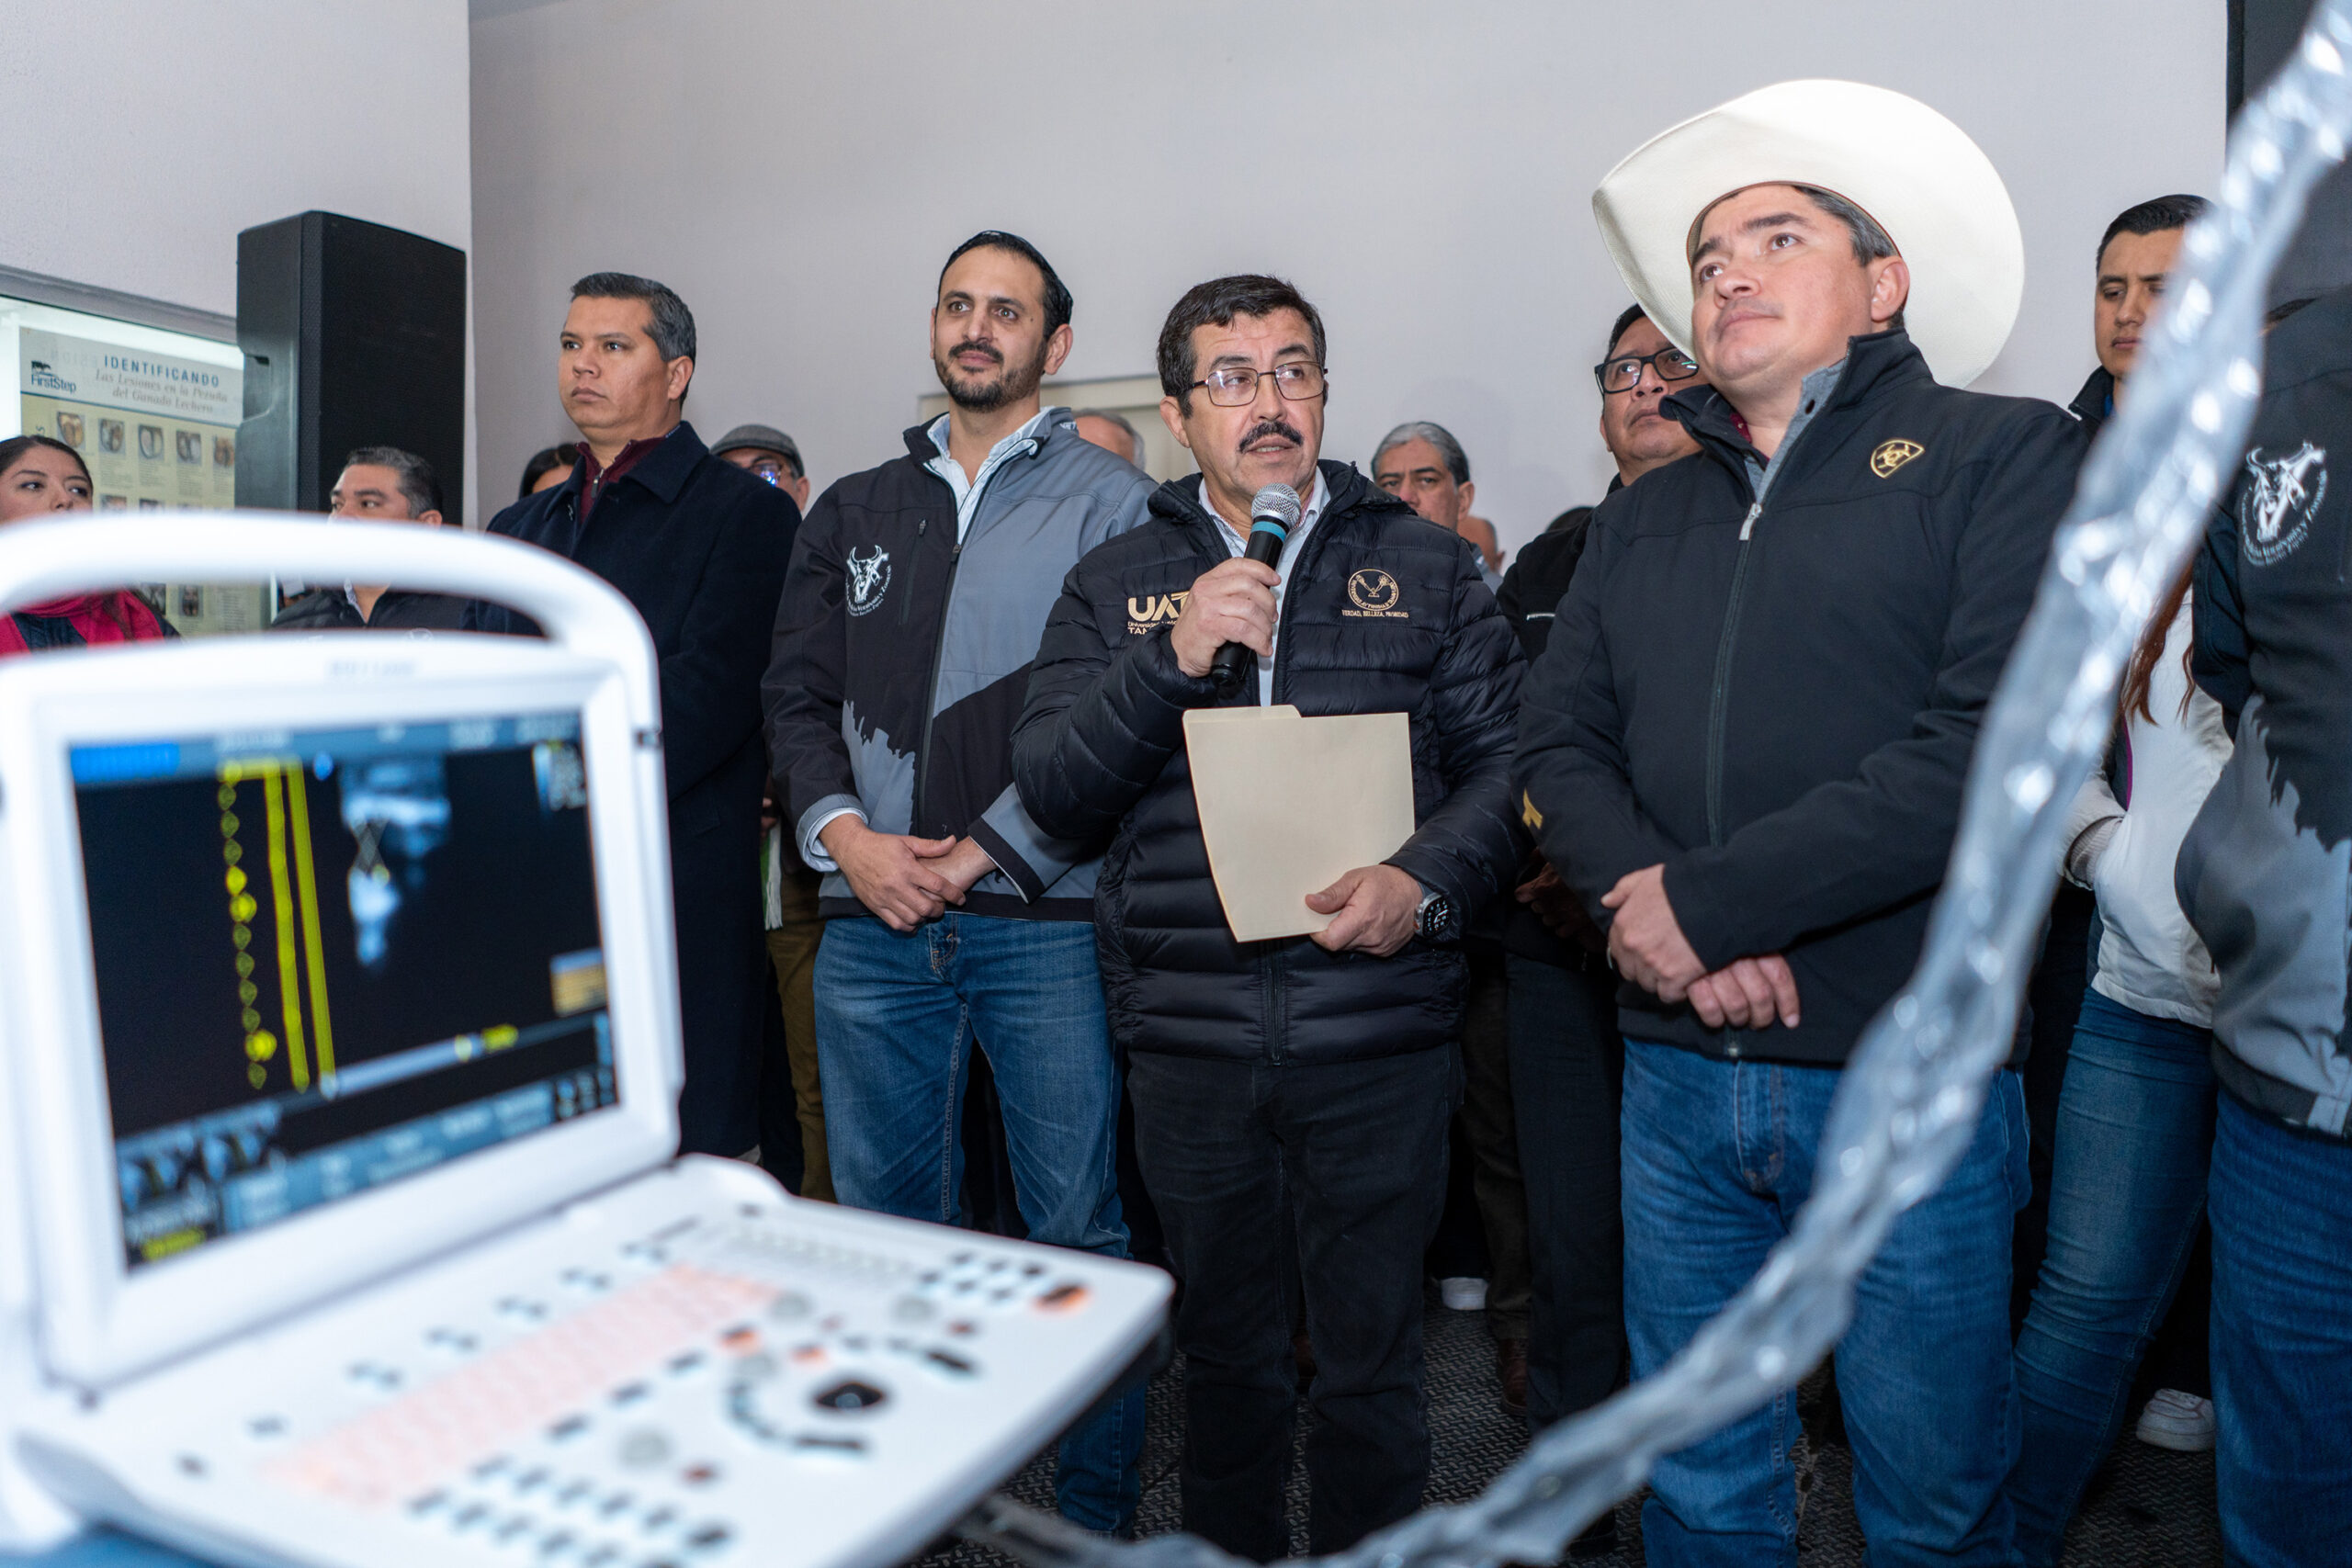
(1493, 1136)
(1355, 1154)
(1568, 1070)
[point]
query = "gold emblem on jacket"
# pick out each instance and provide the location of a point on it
(1153, 611)
(1892, 454)
(1376, 595)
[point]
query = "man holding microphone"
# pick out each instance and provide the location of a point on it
(1309, 1077)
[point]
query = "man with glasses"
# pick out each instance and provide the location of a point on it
(1567, 1059)
(769, 456)
(1290, 1095)
(954, 922)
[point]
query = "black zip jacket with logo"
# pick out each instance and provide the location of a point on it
(1778, 701)
(1382, 613)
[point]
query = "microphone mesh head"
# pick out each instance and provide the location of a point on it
(1279, 503)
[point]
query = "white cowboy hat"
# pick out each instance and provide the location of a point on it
(1930, 187)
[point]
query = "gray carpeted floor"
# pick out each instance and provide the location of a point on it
(2150, 1508)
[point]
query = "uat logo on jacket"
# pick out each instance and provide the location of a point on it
(869, 579)
(2281, 500)
(1153, 611)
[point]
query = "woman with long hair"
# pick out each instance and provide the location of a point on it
(2135, 1116)
(39, 476)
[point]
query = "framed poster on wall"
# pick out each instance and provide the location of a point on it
(152, 408)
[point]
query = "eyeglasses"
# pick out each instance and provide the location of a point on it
(1625, 373)
(1237, 386)
(773, 472)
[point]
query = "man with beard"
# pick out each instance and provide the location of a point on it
(1290, 1095)
(954, 921)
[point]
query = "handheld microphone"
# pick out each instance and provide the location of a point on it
(1274, 512)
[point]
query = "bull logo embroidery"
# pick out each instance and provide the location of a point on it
(2283, 499)
(869, 579)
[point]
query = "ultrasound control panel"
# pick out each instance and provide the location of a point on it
(697, 1370)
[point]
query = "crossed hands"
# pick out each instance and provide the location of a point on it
(905, 880)
(1646, 945)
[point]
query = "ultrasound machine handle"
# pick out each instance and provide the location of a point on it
(51, 559)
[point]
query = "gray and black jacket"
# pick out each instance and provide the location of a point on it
(901, 657)
(2265, 874)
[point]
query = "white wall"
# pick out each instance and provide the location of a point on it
(799, 171)
(142, 136)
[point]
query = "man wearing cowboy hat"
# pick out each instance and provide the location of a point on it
(1744, 749)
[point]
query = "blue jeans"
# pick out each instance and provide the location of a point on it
(2282, 1341)
(898, 1015)
(2127, 1188)
(1717, 1158)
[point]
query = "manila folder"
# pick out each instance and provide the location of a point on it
(1289, 803)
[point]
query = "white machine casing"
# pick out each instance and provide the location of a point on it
(827, 1389)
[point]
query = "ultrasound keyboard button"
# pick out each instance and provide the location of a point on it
(374, 1377)
(951, 1364)
(849, 1396)
(522, 1310)
(658, 1519)
(709, 1537)
(630, 1393)
(912, 1308)
(790, 1307)
(644, 1448)
(568, 1428)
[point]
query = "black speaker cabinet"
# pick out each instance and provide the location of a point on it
(353, 335)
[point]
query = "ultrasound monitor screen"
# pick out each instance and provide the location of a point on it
(330, 959)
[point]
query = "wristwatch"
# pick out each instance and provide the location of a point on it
(1435, 920)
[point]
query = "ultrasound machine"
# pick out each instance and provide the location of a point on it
(339, 1218)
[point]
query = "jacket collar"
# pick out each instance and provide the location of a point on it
(922, 449)
(663, 471)
(1345, 490)
(1875, 365)
(2095, 401)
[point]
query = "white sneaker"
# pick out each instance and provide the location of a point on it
(1462, 1293)
(2179, 1421)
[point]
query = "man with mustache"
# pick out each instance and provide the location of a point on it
(1743, 748)
(1290, 1095)
(954, 922)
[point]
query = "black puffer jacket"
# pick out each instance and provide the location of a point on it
(1777, 700)
(1100, 751)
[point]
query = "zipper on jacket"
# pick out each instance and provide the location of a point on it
(939, 645)
(1719, 700)
(931, 690)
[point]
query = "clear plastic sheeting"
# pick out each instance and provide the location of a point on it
(1910, 1096)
